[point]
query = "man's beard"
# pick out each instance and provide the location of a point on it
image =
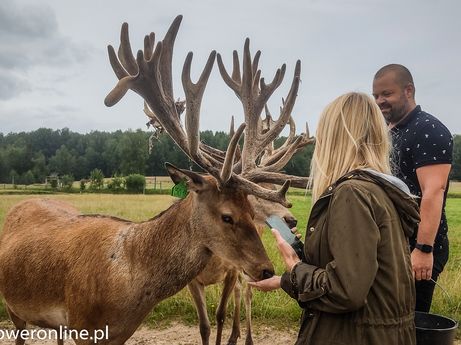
(395, 114)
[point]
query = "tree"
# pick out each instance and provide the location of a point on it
(63, 162)
(64, 152)
(27, 178)
(14, 177)
(18, 158)
(39, 169)
(133, 152)
(4, 167)
(456, 167)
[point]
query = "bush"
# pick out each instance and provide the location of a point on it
(28, 178)
(135, 183)
(82, 185)
(54, 182)
(116, 184)
(96, 179)
(67, 181)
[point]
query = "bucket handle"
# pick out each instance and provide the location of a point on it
(447, 295)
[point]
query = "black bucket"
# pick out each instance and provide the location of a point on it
(432, 329)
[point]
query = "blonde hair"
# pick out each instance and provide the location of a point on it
(351, 134)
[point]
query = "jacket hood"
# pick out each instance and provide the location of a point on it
(405, 203)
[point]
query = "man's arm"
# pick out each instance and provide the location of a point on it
(432, 180)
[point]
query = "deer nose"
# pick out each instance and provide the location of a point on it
(267, 274)
(291, 221)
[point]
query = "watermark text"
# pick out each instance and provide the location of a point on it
(62, 332)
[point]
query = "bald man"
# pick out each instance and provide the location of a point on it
(422, 157)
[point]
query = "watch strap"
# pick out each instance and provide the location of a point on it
(425, 248)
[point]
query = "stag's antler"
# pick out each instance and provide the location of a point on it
(150, 76)
(260, 162)
(275, 159)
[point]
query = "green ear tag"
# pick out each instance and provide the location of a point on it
(180, 190)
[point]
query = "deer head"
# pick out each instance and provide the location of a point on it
(220, 199)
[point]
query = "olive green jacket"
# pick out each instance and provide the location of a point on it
(356, 286)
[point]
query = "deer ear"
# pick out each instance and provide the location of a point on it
(195, 182)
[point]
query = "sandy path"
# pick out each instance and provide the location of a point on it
(179, 334)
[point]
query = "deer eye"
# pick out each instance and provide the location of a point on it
(227, 219)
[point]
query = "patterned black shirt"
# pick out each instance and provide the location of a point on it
(418, 140)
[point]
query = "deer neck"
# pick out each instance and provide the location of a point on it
(169, 249)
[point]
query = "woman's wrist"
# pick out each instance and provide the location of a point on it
(293, 265)
(293, 273)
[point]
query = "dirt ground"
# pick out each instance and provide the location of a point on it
(179, 334)
(186, 335)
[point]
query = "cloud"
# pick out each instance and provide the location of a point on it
(11, 85)
(30, 40)
(26, 21)
(29, 117)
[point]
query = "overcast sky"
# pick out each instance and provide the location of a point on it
(55, 73)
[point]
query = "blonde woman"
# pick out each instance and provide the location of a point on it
(356, 285)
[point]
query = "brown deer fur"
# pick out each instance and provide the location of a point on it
(59, 267)
(219, 271)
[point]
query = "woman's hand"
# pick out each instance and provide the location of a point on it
(288, 254)
(270, 284)
(295, 232)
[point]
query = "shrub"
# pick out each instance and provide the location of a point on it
(96, 179)
(28, 178)
(135, 183)
(53, 179)
(67, 181)
(82, 185)
(117, 183)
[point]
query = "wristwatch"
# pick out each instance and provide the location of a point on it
(425, 248)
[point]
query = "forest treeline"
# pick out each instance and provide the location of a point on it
(29, 157)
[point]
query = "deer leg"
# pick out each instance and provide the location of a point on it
(236, 320)
(19, 324)
(228, 287)
(248, 299)
(197, 291)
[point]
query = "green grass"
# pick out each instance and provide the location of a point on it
(275, 308)
(455, 187)
(154, 185)
(449, 303)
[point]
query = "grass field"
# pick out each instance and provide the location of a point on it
(275, 308)
(152, 183)
(455, 187)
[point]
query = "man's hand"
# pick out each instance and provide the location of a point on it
(288, 254)
(433, 180)
(270, 284)
(422, 264)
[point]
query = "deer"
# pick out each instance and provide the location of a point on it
(218, 270)
(61, 268)
(271, 159)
